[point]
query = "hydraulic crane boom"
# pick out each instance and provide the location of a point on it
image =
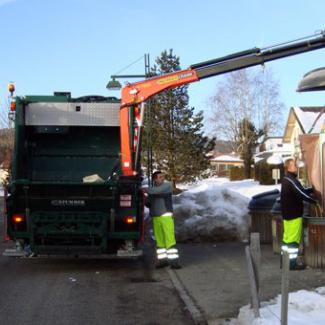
(135, 94)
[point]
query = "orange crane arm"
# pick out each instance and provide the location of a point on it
(134, 95)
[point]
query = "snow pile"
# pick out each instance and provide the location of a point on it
(214, 209)
(305, 307)
(209, 211)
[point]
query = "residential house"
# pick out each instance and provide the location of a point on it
(223, 162)
(303, 120)
(274, 146)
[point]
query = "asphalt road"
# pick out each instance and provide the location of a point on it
(84, 291)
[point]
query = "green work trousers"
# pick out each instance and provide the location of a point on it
(292, 231)
(163, 228)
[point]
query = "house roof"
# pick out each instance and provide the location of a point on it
(271, 138)
(306, 116)
(228, 158)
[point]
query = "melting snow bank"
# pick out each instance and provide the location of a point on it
(214, 209)
(305, 307)
(210, 213)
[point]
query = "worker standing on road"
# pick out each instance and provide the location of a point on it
(293, 194)
(161, 211)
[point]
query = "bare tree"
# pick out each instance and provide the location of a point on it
(5, 121)
(6, 136)
(6, 145)
(252, 95)
(268, 106)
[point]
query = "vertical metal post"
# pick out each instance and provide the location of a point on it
(138, 147)
(149, 141)
(149, 126)
(285, 288)
(255, 249)
(252, 282)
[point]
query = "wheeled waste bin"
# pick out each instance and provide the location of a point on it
(261, 218)
(314, 242)
(277, 226)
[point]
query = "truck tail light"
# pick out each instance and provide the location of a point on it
(13, 105)
(130, 220)
(18, 218)
(125, 201)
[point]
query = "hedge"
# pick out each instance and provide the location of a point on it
(263, 173)
(236, 173)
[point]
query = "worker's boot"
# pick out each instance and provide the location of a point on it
(175, 264)
(173, 258)
(293, 249)
(162, 263)
(295, 266)
(300, 267)
(162, 260)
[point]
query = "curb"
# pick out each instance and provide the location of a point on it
(195, 313)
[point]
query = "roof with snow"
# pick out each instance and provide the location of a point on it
(227, 158)
(306, 117)
(271, 138)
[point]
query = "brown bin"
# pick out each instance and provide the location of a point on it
(314, 241)
(261, 222)
(261, 218)
(277, 227)
(277, 233)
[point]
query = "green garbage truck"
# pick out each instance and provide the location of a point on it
(66, 193)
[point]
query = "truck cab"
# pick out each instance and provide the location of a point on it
(67, 194)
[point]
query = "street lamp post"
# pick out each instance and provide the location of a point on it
(114, 84)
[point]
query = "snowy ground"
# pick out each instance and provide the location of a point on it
(305, 307)
(215, 209)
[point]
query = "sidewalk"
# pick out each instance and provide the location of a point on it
(215, 277)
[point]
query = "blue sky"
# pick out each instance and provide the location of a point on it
(76, 45)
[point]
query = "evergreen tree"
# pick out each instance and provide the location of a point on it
(246, 142)
(178, 144)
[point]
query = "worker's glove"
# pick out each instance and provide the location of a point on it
(319, 209)
(310, 190)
